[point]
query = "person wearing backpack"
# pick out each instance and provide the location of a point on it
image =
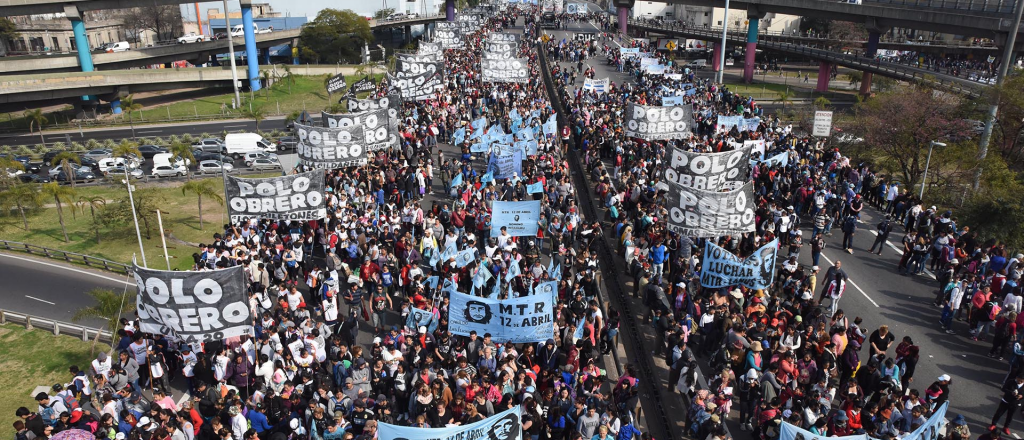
(849, 229)
(50, 409)
(987, 315)
(884, 228)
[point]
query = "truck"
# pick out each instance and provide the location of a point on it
(237, 144)
(192, 37)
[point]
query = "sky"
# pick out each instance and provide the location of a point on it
(307, 8)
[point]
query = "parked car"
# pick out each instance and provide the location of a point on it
(148, 151)
(287, 143)
(214, 166)
(33, 178)
(168, 171)
(212, 156)
(263, 164)
(118, 170)
(26, 162)
(213, 145)
(98, 154)
(253, 155)
(13, 172)
(81, 175)
(58, 169)
(191, 37)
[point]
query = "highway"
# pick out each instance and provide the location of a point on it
(880, 295)
(144, 130)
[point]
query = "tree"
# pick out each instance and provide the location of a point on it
(64, 159)
(119, 213)
(383, 13)
(267, 76)
(855, 77)
(8, 31)
(92, 203)
(897, 127)
(38, 119)
(162, 20)
(202, 188)
(129, 105)
(256, 113)
(183, 151)
(60, 194)
(126, 148)
(335, 36)
(110, 305)
(1008, 132)
(288, 78)
(8, 165)
(822, 103)
(21, 196)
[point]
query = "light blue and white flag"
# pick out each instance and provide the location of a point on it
(535, 188)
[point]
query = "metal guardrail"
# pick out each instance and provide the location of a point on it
(56, 327)
(986, 6)
(70, 257)
(872, 65)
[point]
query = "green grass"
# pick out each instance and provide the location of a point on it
(772, 91)
(180, 217)
(35, 358)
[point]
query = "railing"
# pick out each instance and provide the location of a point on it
(987, 6)
(56, 327)
(70, 257)
(873, 65)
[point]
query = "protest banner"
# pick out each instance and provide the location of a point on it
(429, 48)
(503, 167)
(506, 425)
(596, 85)
(418, 77)
(721, 268)
(709, 171)
(448, 34)
(499, 50)
(780, 160)
(420, 317)
(628, 52)
(672, 100)
(756, 146)
(193, 306)
(392, 102)
(379, 130)
(726, 123)
(469, 23)
(655, 123)
(495, 37)
(576, 8)
(519, 218)
(291, 197)
(535, 188)
(364, 85)
(465, 257)
(336, 83)
(698, 213)
(516, 320)
(330, 148)
(789, 431)
(513, 70)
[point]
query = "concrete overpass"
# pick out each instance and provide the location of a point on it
(197, 53)
(867, 65)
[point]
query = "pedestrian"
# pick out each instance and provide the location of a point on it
(1009, 404)
(835, 290)
(882, 235)
(849, 229)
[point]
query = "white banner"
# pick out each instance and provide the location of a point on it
(655, 123)
(518, 218)
(514, 70)
(596, 85)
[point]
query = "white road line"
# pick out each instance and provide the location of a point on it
(41, 300)
(853, 283)
(234, 126)
(900, 251)
(597, 28)
(64, 267)
(150, 131)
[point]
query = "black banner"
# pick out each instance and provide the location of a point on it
(379, 130)
(656, 122)
(292, 197)
(448, 35)
(499, 50)
(697, 213)
(427, 48)
(709, 171)
(363, 85)
(330, 148)
(191, 306)
(514, 70)
(469, 23)
(418, 77)
(497, 37)
(392, 102)
(336, 83)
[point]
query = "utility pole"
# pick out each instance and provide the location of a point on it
(231, 54)
(993, 109)
(721, 53)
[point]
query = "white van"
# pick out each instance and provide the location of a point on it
(697, 64)
(120, 46)
(165, 159)
(238, 30)
(106, 164)
(237, 144)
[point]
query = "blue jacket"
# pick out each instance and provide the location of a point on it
(258, 421)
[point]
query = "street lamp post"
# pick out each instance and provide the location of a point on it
(928, 162)
(135, 217)
(231, 54)
(721, 53)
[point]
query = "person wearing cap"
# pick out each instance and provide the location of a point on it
(938, 392)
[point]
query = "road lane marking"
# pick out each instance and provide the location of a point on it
(900, 252)
(63, 267)
(855, 286)
(612, 38)
(234, 126)
(150, 131)
(41, 300)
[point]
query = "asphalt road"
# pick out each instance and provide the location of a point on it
(880, 295)
(143, 130)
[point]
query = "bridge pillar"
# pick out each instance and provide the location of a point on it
(872, 49)
(251, 57)
(716, 57)
(407, 35)
(748, 61)
(81, 41)
(115, 105)
(265, 56)
(449, 10)
(623, 19)
(824, 74)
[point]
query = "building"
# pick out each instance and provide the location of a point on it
(263, 16)
(708, 17)
(51, 33)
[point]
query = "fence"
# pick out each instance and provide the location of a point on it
(70, 257)
(56, 327)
